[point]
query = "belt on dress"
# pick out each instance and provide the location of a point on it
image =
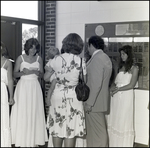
(70, 86)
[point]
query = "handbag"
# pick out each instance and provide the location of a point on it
(82, 90)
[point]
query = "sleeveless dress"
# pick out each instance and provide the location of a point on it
(66, 116)
(120, 120)
(5, 123)
(27, 116)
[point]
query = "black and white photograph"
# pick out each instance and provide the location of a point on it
(75, 73)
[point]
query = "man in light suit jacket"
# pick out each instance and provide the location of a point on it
(99, 69)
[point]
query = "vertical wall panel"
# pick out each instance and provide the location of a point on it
(50, 29)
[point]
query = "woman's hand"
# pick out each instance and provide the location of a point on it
(48, 102)
(26, 71)
(49, 69)
(47, 111)
(11, 101)
(114, 89)
(36, 72)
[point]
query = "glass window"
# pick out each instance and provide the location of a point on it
(141, 39)
(28, 31)
(121, 39)
(141, 28)
(20, 9)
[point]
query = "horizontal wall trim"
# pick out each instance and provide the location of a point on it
(26, 21)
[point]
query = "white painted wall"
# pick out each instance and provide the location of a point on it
(71, 16)
(141, 116)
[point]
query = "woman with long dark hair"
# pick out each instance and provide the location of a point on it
(120, 120)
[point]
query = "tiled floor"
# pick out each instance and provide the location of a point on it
(135, 145)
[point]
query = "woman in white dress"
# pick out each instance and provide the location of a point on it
(6, 96)
(66, 118)
(121, 118)
(27, 116)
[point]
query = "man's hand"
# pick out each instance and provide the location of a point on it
(88, 108)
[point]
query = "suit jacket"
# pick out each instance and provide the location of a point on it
(99, 69)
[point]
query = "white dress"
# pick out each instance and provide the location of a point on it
(66, 118)
(5, 124)
(27, 116)
(120, 120)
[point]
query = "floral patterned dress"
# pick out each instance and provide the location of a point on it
(66, 117)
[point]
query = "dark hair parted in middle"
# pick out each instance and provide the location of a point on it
(129, 62)
(29, 44)
(97, 42)
(72, 43)
(4, 50)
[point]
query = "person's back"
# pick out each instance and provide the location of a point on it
(103, 96)
(66, 112)
(67, 69)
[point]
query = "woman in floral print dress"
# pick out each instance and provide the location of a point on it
(66, 116)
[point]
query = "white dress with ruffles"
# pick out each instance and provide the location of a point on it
(27, 116)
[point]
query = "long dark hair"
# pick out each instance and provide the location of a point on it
(4, 50)
(129, 62)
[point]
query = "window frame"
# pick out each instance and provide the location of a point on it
(41, 29)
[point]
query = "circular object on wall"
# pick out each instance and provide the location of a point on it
(99, 30)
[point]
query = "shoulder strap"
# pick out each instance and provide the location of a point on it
(81, 63)
(37, 58)
(4, 63)
(81, 72)
(22, 58)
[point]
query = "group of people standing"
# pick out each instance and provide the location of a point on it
(70, 123)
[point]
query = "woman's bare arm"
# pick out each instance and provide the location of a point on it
(131, 85)
(10, 82)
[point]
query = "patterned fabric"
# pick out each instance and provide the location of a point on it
(66, 117)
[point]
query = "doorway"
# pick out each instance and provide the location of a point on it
(11, 35)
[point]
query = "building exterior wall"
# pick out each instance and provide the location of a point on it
(50, 31)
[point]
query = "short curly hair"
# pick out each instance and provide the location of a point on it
(72, 43)
(52, 52)
(29, 44)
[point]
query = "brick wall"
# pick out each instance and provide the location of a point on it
(50, 29)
